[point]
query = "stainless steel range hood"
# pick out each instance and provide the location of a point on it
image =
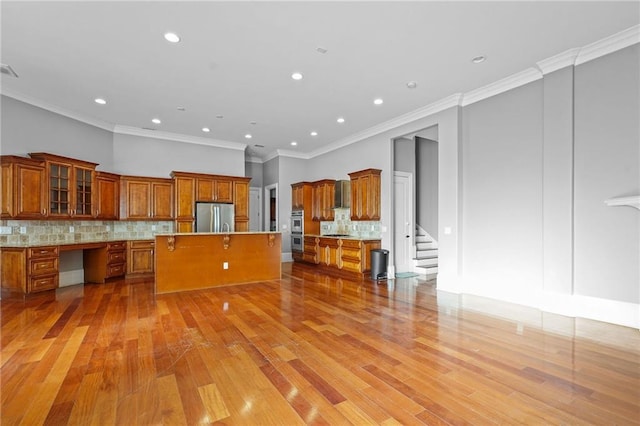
(342, 194)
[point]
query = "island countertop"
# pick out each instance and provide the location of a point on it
(191, 261)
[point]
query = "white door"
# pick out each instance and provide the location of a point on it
(255, 207)
(403, 223)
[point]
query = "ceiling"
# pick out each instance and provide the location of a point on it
(231, 71)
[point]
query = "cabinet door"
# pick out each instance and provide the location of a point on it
(138, 199)
(241, 200)
(223, 191)
(316, 205)
(82, 193)
(204, 190)
(162, 200)
(184, 226)
(59, 190)
(185, 197)
(140, 257)
(107, 196)
(297, 198)
(28, 192)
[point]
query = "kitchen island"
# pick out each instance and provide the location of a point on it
(203, 260)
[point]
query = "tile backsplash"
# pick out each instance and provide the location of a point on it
(342, 224)
(43, 232)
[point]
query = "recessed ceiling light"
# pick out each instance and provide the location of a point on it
(479, 59)
(340, 120)
(172, 37)
(378, 101)
(100, 101)
(294, 143)
(156, 121)
(296, 76)
(206, 129)
(314, 133)
(248, 136)
(412, 85)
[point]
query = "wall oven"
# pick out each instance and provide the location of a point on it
(297, 230)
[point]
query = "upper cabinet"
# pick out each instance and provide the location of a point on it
(302, 196)
(69, 186)
(23, 188)
(192, 187)
(107, 204)
(365, 194)
(323, 198)
(146, 198)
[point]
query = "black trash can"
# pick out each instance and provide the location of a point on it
(379, 259)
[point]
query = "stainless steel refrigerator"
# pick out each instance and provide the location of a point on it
(214, 217)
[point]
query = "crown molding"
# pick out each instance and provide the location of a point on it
(253, 159)
(501, 86)
(609, 44)
(177, 137)
(559, 61)
(293, 154)
(57, 109)
(433, 108)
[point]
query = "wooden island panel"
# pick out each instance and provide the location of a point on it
(196, 261)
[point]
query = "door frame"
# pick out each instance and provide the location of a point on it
(267, 206)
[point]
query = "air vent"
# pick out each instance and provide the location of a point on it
(7, 70)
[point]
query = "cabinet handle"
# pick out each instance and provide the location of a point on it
(43, 251)
(44, 212)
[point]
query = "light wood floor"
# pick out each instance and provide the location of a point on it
(308, 349)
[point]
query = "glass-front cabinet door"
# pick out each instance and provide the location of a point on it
(70, 186)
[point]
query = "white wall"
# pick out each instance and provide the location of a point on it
(427, 184)
(607, 165)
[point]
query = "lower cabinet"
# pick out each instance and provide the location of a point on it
(105, 262)
(29, 270)
(346, 256)
(140, 258)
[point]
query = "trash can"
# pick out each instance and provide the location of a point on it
(379, 259)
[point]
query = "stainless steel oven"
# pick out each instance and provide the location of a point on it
(297, 242)
(297, 230)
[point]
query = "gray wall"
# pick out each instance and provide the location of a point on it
(27, 128)
(254, 171)
(143, 156)
(426, 157)
(607, 164)
(404, 155)
(502, 194)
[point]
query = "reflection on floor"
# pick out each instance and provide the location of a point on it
(309, 348)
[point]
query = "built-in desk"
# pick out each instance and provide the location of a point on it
(36, 268)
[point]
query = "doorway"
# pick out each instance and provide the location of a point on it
(271, 207)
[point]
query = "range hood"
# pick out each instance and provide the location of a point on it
(342, 194)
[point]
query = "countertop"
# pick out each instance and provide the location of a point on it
(350, 237)
(218, 233)
(68, 243)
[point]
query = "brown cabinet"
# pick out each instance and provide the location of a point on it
(140, 258)
(310, 250)
(69, 186)
(365, 194)
(105, 262)
(241, 204)
(302, 199)
(144, 198)
(23, 189)
(219, 190)
(329, 252)
(107, 204)
(356, 255)
(323, 198)
(29, 270)
(192, 187)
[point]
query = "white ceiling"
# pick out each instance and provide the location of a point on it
(236, 58)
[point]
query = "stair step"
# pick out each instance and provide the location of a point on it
(427, 262)
(426, 246)
(423, 239)
(428, 270)
(427, 254)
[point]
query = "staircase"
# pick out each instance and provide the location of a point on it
(426, 260)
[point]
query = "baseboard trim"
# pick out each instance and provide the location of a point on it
(287, 257)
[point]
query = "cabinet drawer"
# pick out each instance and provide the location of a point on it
(352, 253)
(115, 270)
(114, 257)
(142, 244)
(43, 266)
(49, 282)
(50, 251)
(351, 265)
(351, 243)
(116, 245)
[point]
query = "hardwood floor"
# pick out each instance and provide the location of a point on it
(308, 349)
